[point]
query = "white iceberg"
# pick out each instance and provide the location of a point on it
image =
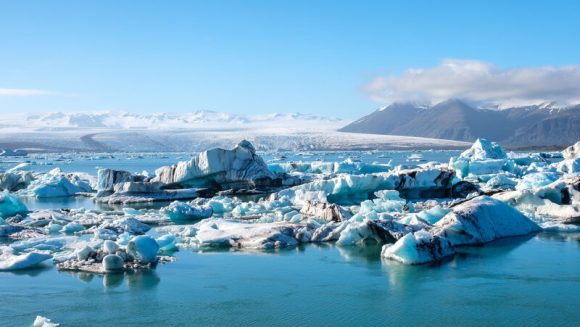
(9, 261)
(238, 234)
(572, 152)
(481, 220)
(483, 149)
(41, 321)
(418, 248)
(240, 167)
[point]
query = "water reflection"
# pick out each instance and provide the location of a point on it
(403, 276)
(499, 247)
(562, 237)
(139, 280)
(368, 253)
(30, 272)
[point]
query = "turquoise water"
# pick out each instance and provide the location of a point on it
(530, 281)
(533, 281)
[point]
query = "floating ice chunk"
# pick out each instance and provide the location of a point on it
(238, 168)
(558, 202)
(15, 180)
(484, 149)
(536, 180)
(183, 212)
(417, 248)
(483, 158)
(143, 248)
(348, 166)
(10, 205)
(130, 225)
(238, 234)
(41, 321)
(483, 219)
(72, 228)
(9, 261)
(113, 263)
(110, 247)
(500, 182)
(418, 183)
(572, 152)
(108, 178)
(56, 184)
(84, 253)
(167, 243)
(326, 211)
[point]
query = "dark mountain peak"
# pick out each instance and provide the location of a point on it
(453, 102)
(455, 119)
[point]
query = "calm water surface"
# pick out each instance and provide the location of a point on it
(532, 281)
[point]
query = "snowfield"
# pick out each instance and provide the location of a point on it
(196, 131)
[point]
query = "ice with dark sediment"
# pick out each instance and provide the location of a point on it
(418, 214)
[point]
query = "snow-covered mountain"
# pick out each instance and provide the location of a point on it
(539, 125)
(202, 119)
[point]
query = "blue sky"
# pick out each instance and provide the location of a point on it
(258, 56)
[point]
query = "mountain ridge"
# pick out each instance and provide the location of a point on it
(453, 119)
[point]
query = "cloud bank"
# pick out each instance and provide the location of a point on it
(4, 92)
(480, 82)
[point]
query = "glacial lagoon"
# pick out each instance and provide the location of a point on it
(530, 280)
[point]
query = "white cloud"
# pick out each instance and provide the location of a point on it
(4, 92)
(480, 82)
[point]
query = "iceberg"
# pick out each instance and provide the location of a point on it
(238, 168)
(418, 248)
(325, 211)
(143, 248)
(238, 234)
(9, 261)
(348, 166)
(483, 149)
(14, 181)
(56, 184)
(536, 180)
(108, 178)
(411, 184)
(481, 220)
(130, 225)
(483, 158)
(572, 152)
(10, 205)
(113, 263)
(41, 321)
(556, 203)
(183, 212)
